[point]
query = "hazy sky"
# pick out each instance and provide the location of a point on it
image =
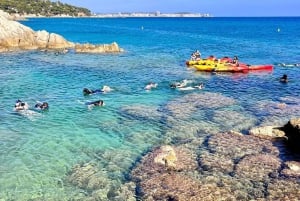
(214, 7)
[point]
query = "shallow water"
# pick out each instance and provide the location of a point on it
(38, 150)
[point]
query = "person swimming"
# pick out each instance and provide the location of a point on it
(181, 84)
(20, 105)
(87, 91)
(104, 89)
(42, 106)
(96, 103)
(150, 86)
(200, 86)
(284, 79)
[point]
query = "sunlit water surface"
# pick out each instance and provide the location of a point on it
(38, 150)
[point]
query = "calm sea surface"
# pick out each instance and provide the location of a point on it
(38, 150)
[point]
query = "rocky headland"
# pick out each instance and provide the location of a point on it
(14, 37)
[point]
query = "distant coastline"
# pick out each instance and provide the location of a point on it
(121, 15)
(149, 14)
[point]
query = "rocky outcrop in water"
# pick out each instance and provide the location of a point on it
(104, 48)
(15, 36)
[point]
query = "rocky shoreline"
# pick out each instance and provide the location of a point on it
(15, 36)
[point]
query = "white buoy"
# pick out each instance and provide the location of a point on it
(278, 30)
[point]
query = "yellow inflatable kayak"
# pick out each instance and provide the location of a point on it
(222, 67)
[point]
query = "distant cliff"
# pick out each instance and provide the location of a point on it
(41, 8)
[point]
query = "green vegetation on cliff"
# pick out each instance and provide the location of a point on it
(42, 7)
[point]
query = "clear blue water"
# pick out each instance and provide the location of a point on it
(38, 150)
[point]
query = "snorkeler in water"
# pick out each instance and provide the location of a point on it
(104, 89)
(20, 105)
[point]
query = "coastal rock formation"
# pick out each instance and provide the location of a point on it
(104, 48)
(15, 36)
(292, 130)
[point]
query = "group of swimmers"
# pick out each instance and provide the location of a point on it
(42, 106)
(182, 85)
(20, 105)
(87, 91)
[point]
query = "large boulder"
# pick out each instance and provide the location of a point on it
(104, 48)
(292, 132)
(15, 36)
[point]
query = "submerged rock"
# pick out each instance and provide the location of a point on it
(237, 146)
(164, 159)
(258, 167)
(283, 190)
(141, 112)
(182, 187)
(97, 186)
(166, 174)
(233, 120)
(277, 113)
(216, 162)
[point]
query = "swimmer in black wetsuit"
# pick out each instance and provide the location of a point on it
(42, 106)
(96, 103)
(87, 91)
(20, 105)
(284, 79)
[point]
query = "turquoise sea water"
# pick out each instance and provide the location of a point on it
(38, 150)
